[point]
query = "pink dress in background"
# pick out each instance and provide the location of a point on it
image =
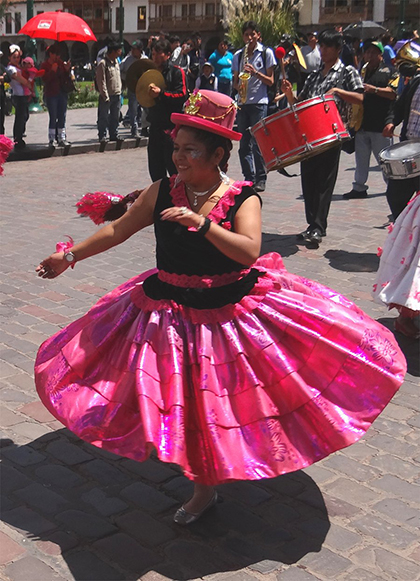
(281, 373)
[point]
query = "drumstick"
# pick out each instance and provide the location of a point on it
(280, 54)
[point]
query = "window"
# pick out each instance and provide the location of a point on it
(117, 19)
(18, 22)
(141, 17)
(8, 18)
(184, 10)
(98, 13)
(210, 10)
(167, 11)
(40, 12)
(87, 12)
(191, 11)
(79, 12)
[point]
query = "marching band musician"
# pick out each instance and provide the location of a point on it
(319, 173)
(252, 73)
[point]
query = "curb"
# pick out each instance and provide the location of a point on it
(34, 152)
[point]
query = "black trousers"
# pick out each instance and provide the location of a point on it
(399, 192)
(21, 116)
(159, 154)
(318, 177)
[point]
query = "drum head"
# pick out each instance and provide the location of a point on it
(402, 150)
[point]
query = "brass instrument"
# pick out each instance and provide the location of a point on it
(409, 52)
(244, 77)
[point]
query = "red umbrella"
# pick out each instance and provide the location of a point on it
(58, 26)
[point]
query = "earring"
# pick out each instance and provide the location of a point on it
(225, 179)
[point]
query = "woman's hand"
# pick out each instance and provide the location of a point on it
(388, 130)
(52, 266)
(183, 216)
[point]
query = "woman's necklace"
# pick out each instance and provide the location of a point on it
(201, 194)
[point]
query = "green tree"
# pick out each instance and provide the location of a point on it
(274, 18)
(4, 4)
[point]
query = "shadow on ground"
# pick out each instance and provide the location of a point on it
(410, 347)
(112, 517)
(284, 245)
(353, 261)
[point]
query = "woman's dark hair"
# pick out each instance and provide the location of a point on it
(250, 25)
(163, 46)
(331, 37)
(53, 49)
(211, 142)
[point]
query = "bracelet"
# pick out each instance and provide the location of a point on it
(376, 90)
(204, 227)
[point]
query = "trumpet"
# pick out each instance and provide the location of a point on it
(244, 77)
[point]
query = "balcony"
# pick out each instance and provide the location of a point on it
(345, 11)
(180, 23)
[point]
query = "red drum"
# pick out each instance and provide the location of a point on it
(300, 132)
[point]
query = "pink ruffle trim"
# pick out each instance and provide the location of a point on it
(220, 210)
(207, 316)
(206, 281)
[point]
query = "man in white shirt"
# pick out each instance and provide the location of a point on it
(312, 56)
(20, 100)
(257, 62)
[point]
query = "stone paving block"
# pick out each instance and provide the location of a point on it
(27, 521)
(105, 505)
(103, 472)
(319, 473)
(180, 487)
(33, 569)
(355, 470)
(9, 549)
(336, 507)
(246, 493)
(389, 564)
(341, 540)
(266, 566)
(414, 421)
(14, 396)
(29, 431)
(59, 476)
(145, 529)
(37, 411)
(399, 511)
(236, 518)
(23, 455)
(362, 575)
(58, 542)
(147, 497)
(12, 479)
(86, 525)
(8, 503)
(278, 513)
(296, 574)
(68, 453)
(23, 381)
(43, 498)
(314, 527)
(7, 370)
(394, 485)
(150, 470)
(415, 555)
(399, 413)
(326, 563)
(196, 557)
(396, 466)
(346, 489)
(9, 418)
(85, 566)
(385, 532)
(127, 553)
(285, 485)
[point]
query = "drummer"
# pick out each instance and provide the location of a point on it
(406, 111)
(319, 173)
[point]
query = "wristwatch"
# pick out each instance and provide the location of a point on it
(70, 257)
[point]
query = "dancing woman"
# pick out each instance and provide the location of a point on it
(222, 362)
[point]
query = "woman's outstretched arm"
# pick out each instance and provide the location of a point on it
(139, 216)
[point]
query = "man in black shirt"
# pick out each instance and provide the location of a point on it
(377, 108)
(169, 100)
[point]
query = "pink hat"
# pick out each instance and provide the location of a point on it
(209, 111)
(29, 60)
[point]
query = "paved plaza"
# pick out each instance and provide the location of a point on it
(73, 512)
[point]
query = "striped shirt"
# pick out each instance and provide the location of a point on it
(413, 125)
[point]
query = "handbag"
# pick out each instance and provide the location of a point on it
(67, 84)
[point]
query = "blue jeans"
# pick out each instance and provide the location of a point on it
(252, 163)
(367, 142)
(224, 87)
(108, 116)
(132, 112)
(57, 109)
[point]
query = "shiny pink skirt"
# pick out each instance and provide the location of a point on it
(290, 374)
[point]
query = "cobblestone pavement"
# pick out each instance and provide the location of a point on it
(72, 512)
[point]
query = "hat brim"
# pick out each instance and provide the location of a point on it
(204, 124)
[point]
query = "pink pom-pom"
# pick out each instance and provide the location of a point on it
(96, 204)
(6, 146)
(379, 252)
(390, 228)
(64, 246)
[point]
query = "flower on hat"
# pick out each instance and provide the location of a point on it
(192, 106)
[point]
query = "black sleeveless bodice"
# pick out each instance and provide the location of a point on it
(182, 252)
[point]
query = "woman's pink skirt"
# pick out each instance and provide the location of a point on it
(270, 385)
